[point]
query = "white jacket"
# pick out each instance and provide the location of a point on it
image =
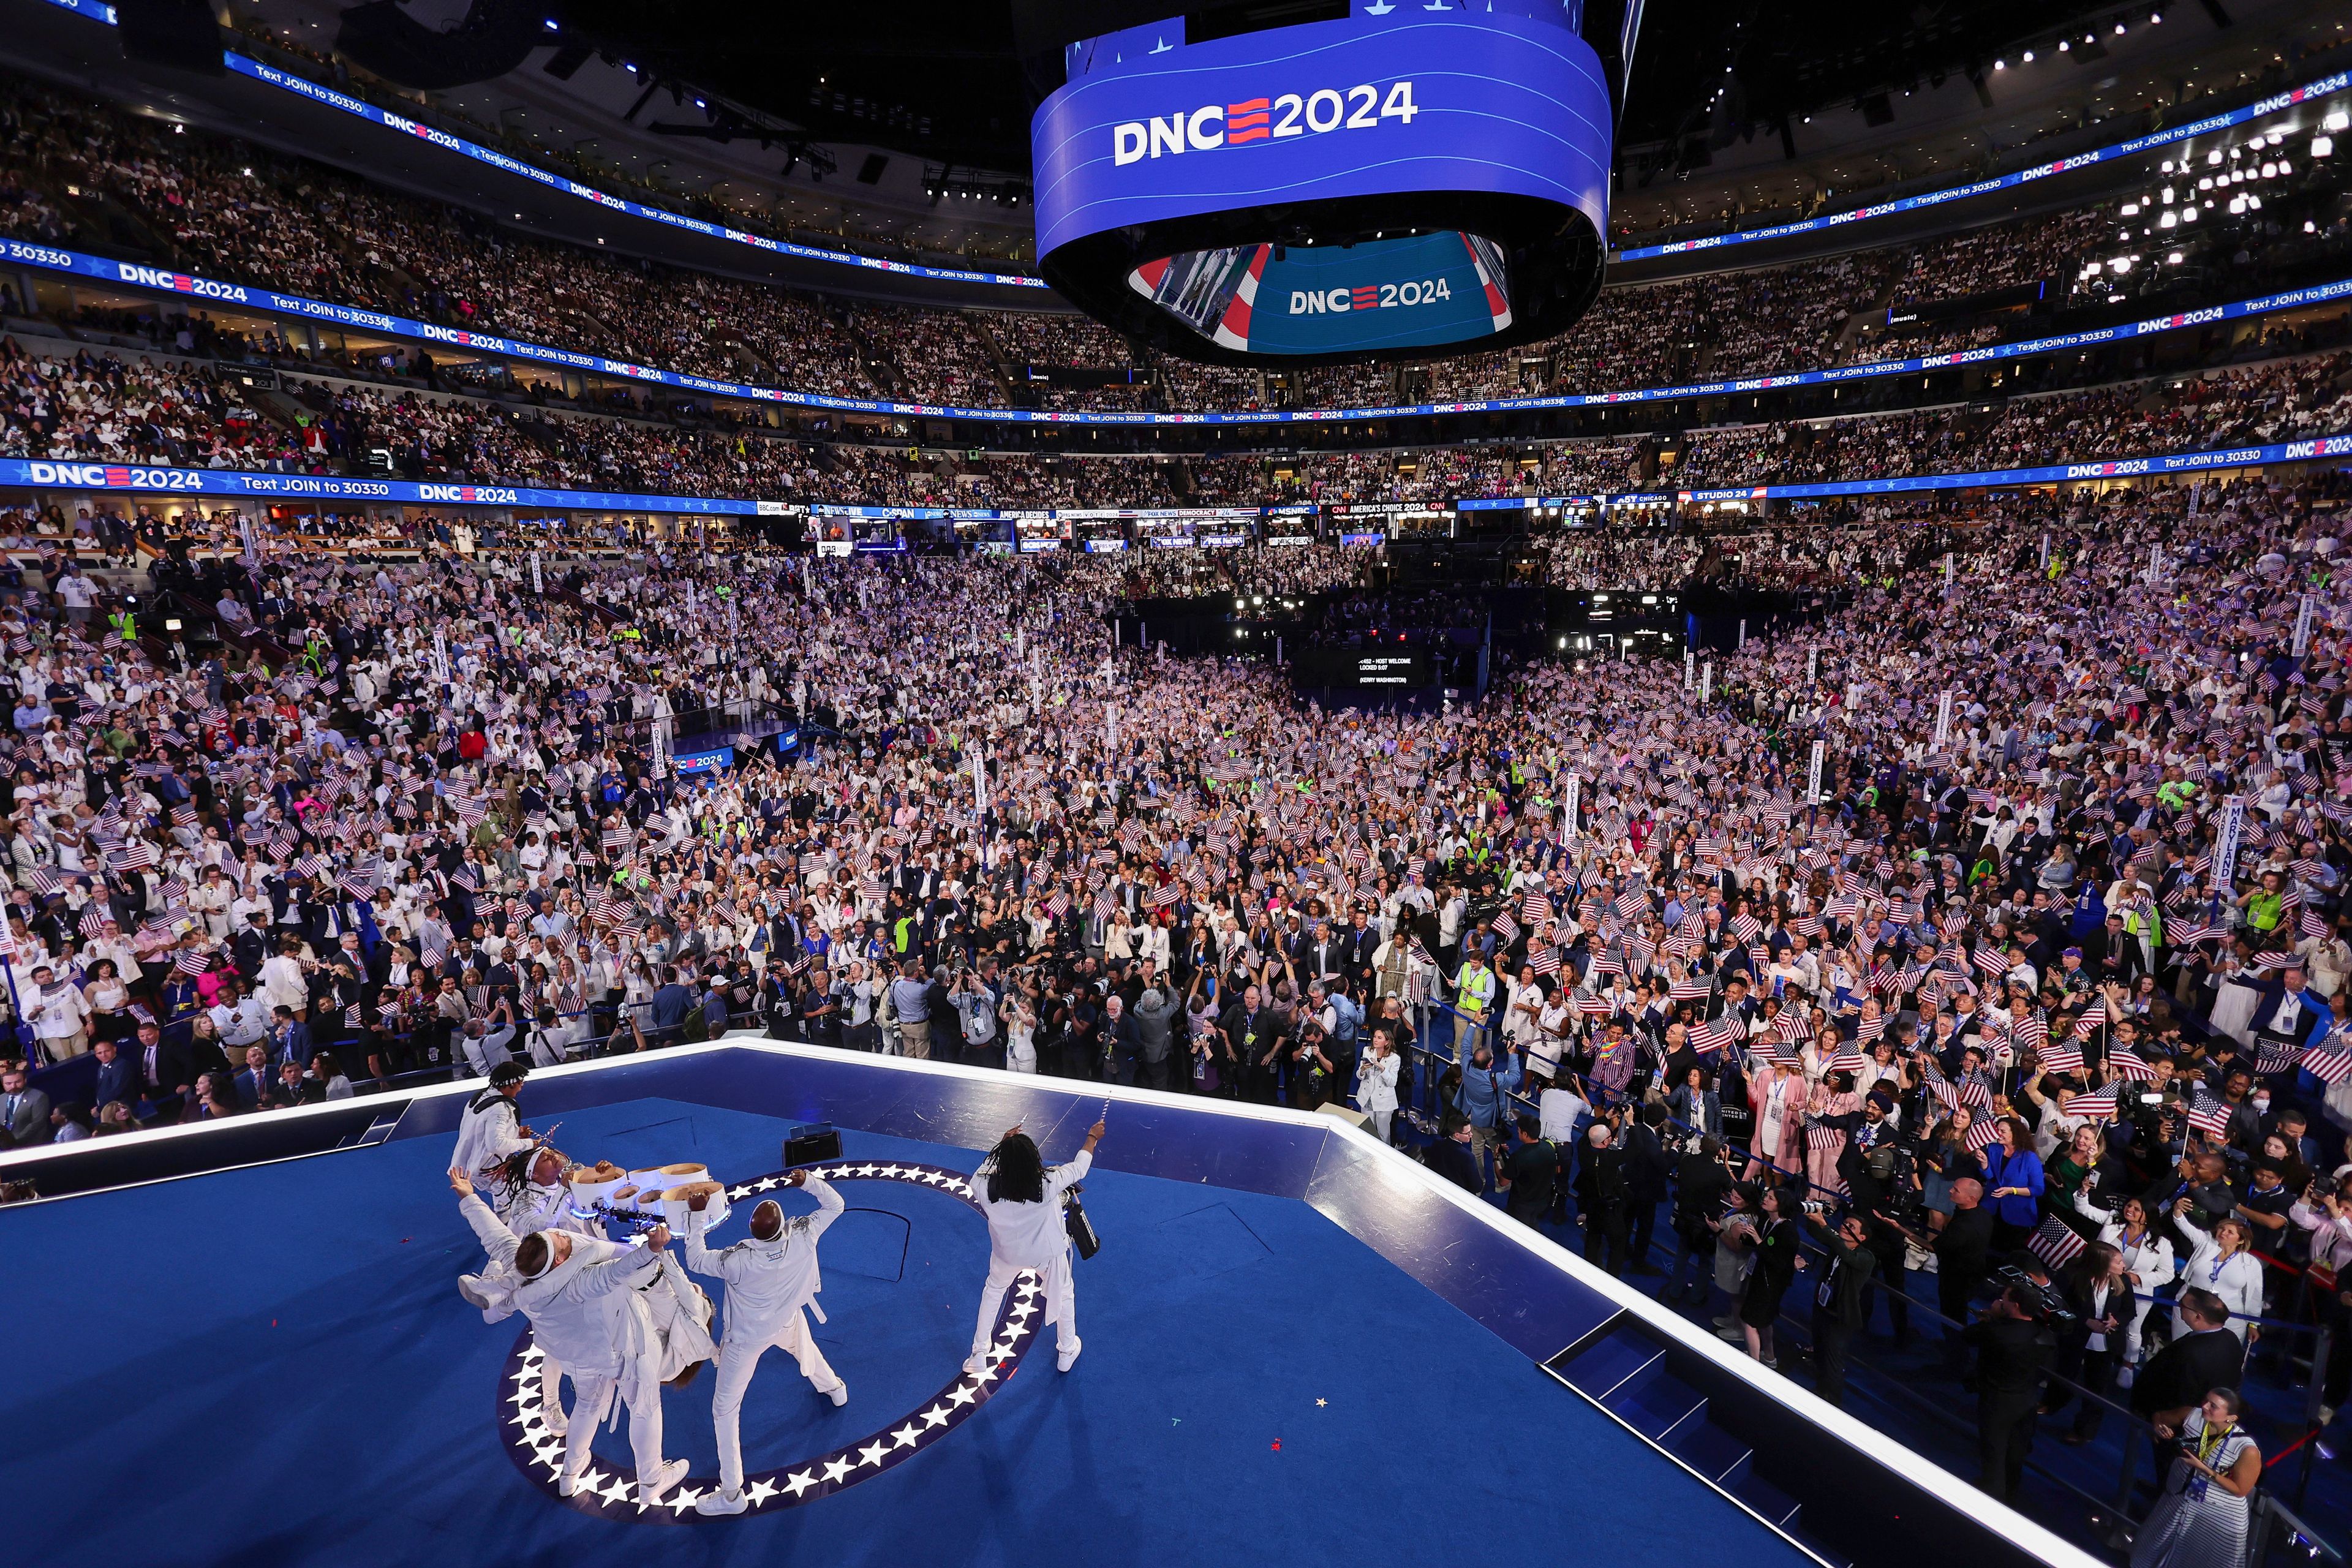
(1027, 1235)
(586, 1311)
(768, 1282)
(487, 1133)
(1376, 1083)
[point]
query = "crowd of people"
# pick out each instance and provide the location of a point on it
(118, 407)
(71, 173)
(1995, 969)
(1991, 906)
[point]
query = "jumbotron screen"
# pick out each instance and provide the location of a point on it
(1401, 178)
(1416, 291)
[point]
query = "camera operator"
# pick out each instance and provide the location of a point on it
(1880, 1174)
(2014, 1349)
(1840, 1298)
(1962, 1243)
(2325, 1214)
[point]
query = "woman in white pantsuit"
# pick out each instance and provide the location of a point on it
(1022, 1200)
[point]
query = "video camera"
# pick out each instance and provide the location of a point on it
(2045, 1304)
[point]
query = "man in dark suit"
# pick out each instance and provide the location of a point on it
(167, 1068)
(2178, 1378)
(2288, 1012)
(1450, 1156)
(1604, 1199)
(1841, 1301)
(117, 1076)
(24, 1111)
(257, 1086)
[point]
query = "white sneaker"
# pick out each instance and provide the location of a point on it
(1067, 1356)
(838, 1394)
(669, 1474)
(565, 1485)
(719, 1502)
(977, 1364)
(469, 1286)
(558, 1424)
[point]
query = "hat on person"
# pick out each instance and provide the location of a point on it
(508, 1072)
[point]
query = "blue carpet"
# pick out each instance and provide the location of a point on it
(270, 1365)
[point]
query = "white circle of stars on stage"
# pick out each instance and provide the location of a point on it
(609, 1493)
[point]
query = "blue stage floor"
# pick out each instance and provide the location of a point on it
(271, 1366)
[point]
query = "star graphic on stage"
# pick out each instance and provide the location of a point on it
(536, 1447)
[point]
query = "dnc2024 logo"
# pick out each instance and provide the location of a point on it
(1268, 120)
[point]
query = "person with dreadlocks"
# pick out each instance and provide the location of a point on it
(1022, 1197)
(769, 1280)
(490, 1130)
(585, 1299)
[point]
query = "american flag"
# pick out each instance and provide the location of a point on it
(2093, 1019)
(1165, 897)
(2030, 1031)
(195, 963)
(2062, 1058)
(91, 922)
(2128, 1064)
(2328, 1066)
(1535, 909)
(2054, 1242)
(1506, 928)
(1058, 905)
(2275, 1057)
(1868, 1030)
(2099, 1107)
(1718, 1032)
(1697, 988)
(1544, 959)
(2211, 1117)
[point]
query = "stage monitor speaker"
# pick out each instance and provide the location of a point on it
(812, 1145)
(182, 34)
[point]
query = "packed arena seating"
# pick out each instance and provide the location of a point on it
(144, 409)
(74, 173)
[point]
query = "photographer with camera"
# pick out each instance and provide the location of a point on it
(2015, 1347)
(2325, 1215)
(1840, 1298)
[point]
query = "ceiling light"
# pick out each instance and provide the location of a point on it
(2028, 57)
(2167, 221)
(2321, 146)
(2063, 45)
(2000, 65)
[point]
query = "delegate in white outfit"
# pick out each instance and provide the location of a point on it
(770, 1280)
(587, 1305)
(491, 1129)
(583, 1298)
(534, 1197)
(1022, 1201)
(2222, 1264)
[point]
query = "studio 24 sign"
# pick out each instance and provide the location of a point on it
(1268, 119)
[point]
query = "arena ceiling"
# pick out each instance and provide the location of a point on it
(954, 83)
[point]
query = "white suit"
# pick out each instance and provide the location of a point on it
(588, 1311)
(489, 1132)
(768, 1285)
(523, 1211)
(1023, 1234)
